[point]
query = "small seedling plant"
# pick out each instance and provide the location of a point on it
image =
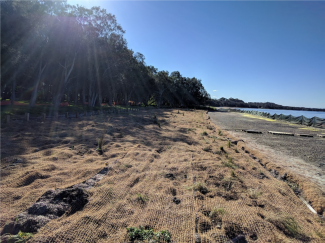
(156, 121)
(229, 144)
(141, 198)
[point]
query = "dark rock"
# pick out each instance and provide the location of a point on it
(262, 176)
(238, 239)
(253, 236)
(170, 176)
(274, 173)
(283, 177)
(252, 156)
(18, 160)
(258, 204)
(243, 148)
(235, 142)
(177, 201)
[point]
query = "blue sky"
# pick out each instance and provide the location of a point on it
(251, 50)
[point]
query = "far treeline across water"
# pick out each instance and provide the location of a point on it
(232, 102)
(53, 52)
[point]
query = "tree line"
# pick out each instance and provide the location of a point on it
(233, 102)
(54, 52)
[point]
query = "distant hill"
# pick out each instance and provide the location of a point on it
(232, 102)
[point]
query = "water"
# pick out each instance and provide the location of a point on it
(308, 114)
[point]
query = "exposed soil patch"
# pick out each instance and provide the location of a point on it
(233, 230)
(51, 205)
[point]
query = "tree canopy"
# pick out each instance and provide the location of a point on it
(54, 52)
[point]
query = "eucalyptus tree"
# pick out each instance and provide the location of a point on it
(162, 81)
(102, 34)
(67, 46)
(15, 28)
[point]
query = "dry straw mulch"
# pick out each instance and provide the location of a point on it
(167, 173)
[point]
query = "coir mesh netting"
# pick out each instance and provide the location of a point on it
(166, 170)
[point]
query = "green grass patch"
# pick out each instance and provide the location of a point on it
(217, 212)
(286, 223)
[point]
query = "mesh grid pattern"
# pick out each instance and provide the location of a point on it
(140, 155)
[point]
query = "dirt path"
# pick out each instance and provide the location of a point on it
(302, 155)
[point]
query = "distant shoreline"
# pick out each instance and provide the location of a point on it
(286, 109)
(237, 103)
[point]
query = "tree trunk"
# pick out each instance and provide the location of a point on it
(83, 96)
(68, 96)
(3, 92)
(34, 93)
(76, 97)
(126, 99)
(57, 100)
(13, 92)
(110, 100)
(100, 100)
(66, 74)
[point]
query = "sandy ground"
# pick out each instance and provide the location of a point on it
(304, 156)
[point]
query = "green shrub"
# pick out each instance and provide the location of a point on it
(21, 237)
(141, 234)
